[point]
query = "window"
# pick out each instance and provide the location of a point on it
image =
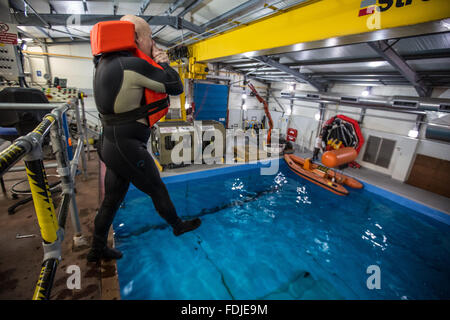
(379, 151)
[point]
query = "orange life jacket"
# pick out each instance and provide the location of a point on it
(114, 36)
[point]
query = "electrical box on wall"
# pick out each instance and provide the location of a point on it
(9, 68)
(8, 63)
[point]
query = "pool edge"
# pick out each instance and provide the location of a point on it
(424, 209)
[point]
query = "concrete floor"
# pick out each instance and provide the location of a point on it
(20, 259)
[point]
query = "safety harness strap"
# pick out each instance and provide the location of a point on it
(133, 115)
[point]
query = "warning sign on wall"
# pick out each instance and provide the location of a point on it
(8, 33)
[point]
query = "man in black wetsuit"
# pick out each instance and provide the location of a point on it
(119, 83)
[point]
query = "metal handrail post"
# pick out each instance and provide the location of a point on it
(58, 140)
(76, 157)
(29, 148)
(84, 122)
(43, 204)
(81, 135)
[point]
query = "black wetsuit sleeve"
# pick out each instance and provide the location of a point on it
(175, 86)
(168, 77)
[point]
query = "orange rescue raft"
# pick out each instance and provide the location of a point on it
(320, 175)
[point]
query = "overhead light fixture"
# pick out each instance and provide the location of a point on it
(244, 96)
(288, 112)
(375, 64)
(244, 107)
(446, 23)
(331, 42)
(367, 92)
(291, 88)
(317, 116)
(413, 133)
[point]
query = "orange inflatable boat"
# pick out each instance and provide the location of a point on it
(320, 175)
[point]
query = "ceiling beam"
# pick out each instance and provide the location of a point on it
(91, 19)
(299, 76)
(176, 5)
(188, 5)
(144, 5)
(45, 32)
(238, 11)
(397, 62)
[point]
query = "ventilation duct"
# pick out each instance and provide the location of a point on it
(395, 103)
(438, 127)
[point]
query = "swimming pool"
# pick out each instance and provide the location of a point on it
(278, 237)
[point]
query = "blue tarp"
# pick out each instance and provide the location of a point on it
(211, 102)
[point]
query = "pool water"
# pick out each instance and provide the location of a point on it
(279, 237)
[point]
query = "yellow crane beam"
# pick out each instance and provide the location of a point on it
(318, 21)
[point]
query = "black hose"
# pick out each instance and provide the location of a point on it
(28, 191)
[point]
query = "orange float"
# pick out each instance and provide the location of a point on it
(335, 158)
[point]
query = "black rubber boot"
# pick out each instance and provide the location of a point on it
(99, 251)
(186, 226)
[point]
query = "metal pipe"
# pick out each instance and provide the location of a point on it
(47, 25)
(25, 144)
(13, 154)
(22, 168)
(29, 106)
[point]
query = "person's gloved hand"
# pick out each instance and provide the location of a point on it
(158, 55)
